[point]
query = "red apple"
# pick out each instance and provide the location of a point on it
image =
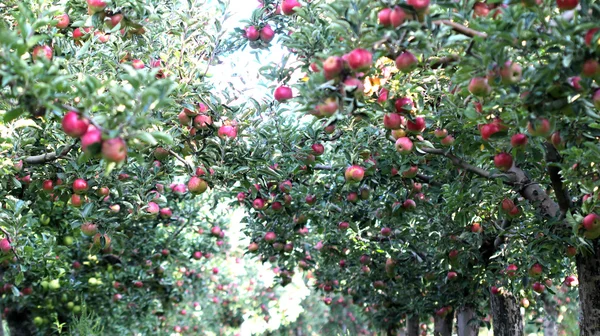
(137, 64)
(447, 141)
(285, 187)
(270, 237)
(287, 6)
(202, 121)
(165, 213)
(227, 131)
(354, 173)
(417, 126)
(48, 185)
(386, 232)
(333, 66)
(359, 59)
(384, 17)
(567, 4)
(258, 204)
(80, 186)
(91, 141)
(511, 73)
(343, 225)
(538, 287)
(540, 127)
(267, 33)
(404, 145)
(89, 229)
(481, 9)
(5, 245)
(42, 52)
(318, 149)
(590, 35)
(404, 105)
(282, 93)
(252, 33)
(63, 21)
(113, 21)
(73, 125)
(571, 251)
(392, 121)
(590, 69)
(410, 172)
(76, 200)
(95, 6)
(591, 222)
(518, 140)
(479, 87)
(397, 17)
(406, 62)
(535, 270)
(114, 150)
(451, 275)
(503, 161)
(511, 270)
(197, 185)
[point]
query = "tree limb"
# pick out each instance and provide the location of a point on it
(180, 159)
(47, 157)
(562, 194)
(460, 28)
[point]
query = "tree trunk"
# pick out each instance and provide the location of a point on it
(443, 325)
(463, 316)
(506, 315)
(20, 323)
(588, 270)
(412, 327)
(550, 326)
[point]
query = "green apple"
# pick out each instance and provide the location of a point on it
(54, 284)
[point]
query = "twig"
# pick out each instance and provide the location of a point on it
(562, 194)
(185, 163)
(47, 157)
(460, 28)
(322, 167)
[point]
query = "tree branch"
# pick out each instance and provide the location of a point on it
(562, 194)
(322, 167)
(460, 28)
(47, 157)
(180, 159)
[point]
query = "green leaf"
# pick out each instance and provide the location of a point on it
(163, 137)
(13, 114)
(147, 138)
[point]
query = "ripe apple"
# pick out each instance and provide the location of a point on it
(197, 185)
(397, 17)
(42, 52)
(447, 141)
(571, 281)
(91, 141)
(318, 149)
(479, 87)
(384, 17)
(453, 254)
(511, 73)
(418, 5)
(95, 6)
(451, 275)
(48, 185)
(333, 66)
(282, 93)
(359, 59)
(440, 133)
(590, 35)
(410, 172)
(63, 21)
(571, 251)
(503, 161)
(417, 126)
(354, 86)
(386, 232)
(152, 208)
(78, 33)
(591, 222)
(511, 270)
(252, 33)
(258, 204)
(518, 140)
(73, 125)
(481, 9)
(5, 245)
(287, 6)
(476, 228)
(343, 225)
(392, 121)
(406, 62)
(352, 197)
(89, 229)
(404, 105)
(285, 187)
(138, 64)
(404, 145)
(113, 21)
(267, 33)
(76, 200)
(270, 237)
(535, 270)
(590, 69)
(354, 173)
(227, 131)
(567, 4)
(114, 150)
(80, 186)
(98, 238)
(540, 127)
(538, 287)
(165, 213)
(202, 121)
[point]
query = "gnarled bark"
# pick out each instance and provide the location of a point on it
(506, 315)
(463, 316)
(588, 270)
(412, 326)
(443, 325)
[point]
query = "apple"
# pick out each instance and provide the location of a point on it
(392, 121)
(197, 185)
(95, 6)
(556, 140)
(453, 254)
(76, 200)
(384, 17)
(410, 172)
(447, 141)
(575, 83)
(417, 126)
(48, 185)
(591, 222)
(5, 245)
(270, 237)
(596, 99)
(511, 72)
(571, 281)
(590, 69)
(481, 9)
(382, 96)
(267, 33)
(518, 140)
(202, 121)
(165, 213)
(359, 59)
(73, 125)
(535, 270)
(479, 87)
(440, 133)
(386, 232)
(406, 62)
(354, 173)
(451, 275)
(80, 186)
(227, 131)
(404, 145)
(282, 93)
(318, 149)
(567, 4)
(138, 64)
(503, 161)
(378, 284)
(98, 237)
(540, 127)
(91, 141)
(152, 208)
(252, 33)
(42, 52)
(113, 21)
(63, 21)
(287, 6)
(89, 229)
(590, 35)
(114, 150)
(397, 17)
(352, 197)
(333, 66)
(404, 105)
(285, 187)
(354, 85)
(538, 287)
(78, 33)
(476, 228)
(258, 204)
(343, 225)
(511, 270)
(571, 251)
